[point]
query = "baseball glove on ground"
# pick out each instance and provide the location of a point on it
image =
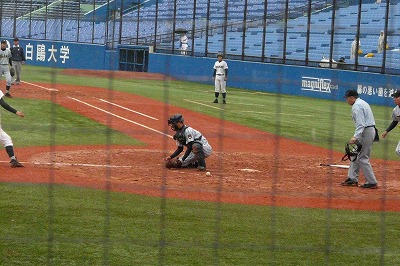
(12, 72)
(173, 163)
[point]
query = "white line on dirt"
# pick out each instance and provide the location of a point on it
(130, 110)
(203, 104)
(120, 117)
(75, 164)
(48, 89)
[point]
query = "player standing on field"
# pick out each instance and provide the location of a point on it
(220, 76)
(5, 63)
(364, 121)
(18, 58)
(5, 139)
(395, 118)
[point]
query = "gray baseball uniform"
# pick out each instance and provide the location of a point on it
(365, 132)
(5, 56)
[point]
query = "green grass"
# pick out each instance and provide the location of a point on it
(64, 225)
(76, 226)
(50, 124)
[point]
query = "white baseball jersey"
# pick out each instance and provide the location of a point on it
(220, 67)
(5, 139)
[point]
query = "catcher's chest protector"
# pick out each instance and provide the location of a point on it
(180, 136)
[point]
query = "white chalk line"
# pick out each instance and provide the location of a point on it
(48, 89)
(203, 104)
(75, 164)
(291, 114)
(120, 117)
(130, 110)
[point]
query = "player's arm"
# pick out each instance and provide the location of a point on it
(226, 72)
(390, 127)
(188, 150)
(7, 106)
(176, 152)
(214, 73)
(10, 61)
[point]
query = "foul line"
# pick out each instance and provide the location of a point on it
(130, 110)
(75, 164)
(120, 117)
(48, 89)
(203, 104)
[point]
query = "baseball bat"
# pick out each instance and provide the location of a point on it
(335, 165)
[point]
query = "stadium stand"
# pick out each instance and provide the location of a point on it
(66, 20)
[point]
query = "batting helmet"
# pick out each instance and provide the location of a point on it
(173, 120)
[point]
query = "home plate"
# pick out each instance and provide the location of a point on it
(249, 170)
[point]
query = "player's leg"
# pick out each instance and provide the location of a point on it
(8, 83)
(200, 156)
(367, 139)
(398, 149)
(6, 140)
(223, 90)
(217, 88)
(18, 70)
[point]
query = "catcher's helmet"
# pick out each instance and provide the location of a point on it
(352, 150)
(173, 120)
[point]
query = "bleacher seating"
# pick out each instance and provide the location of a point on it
(64, 20)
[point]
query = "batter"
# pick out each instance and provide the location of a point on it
(220, 76)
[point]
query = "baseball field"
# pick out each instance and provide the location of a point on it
(94, 189)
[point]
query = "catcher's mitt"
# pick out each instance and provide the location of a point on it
(12, 72)
(173, 163)
(352, 150)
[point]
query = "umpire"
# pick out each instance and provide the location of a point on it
(18, 58)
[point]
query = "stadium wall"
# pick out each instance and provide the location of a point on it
(63, 54)
(321, 83)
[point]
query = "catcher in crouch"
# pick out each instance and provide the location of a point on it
(197, 147)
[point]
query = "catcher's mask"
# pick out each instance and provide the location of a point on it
(352, 150)
(173, 121)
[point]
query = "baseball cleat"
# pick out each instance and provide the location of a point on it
(215, 101)
(15, 163)
(367, 185)
(224, 102)
(349, 183)
(8, 95)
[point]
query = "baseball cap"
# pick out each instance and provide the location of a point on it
(16, 39)
(396, 94)
(3, 41)
(350, 93)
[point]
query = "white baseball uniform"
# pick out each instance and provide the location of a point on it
(5, 65)
(184, 43)
(5, 139)
(220, 78)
